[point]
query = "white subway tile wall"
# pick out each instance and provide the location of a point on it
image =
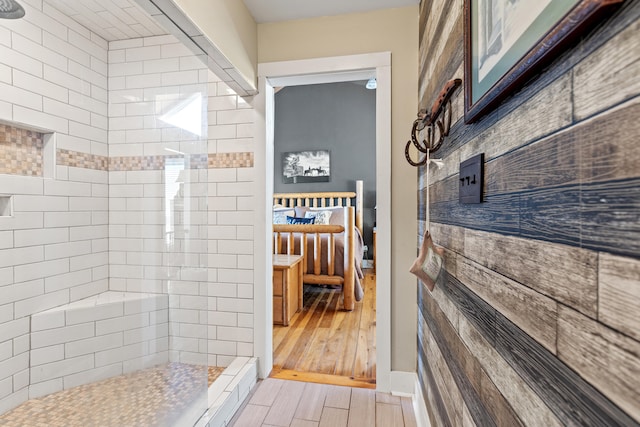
(134, 207)
(152, 79)
(96, 338)
(154, 198)
(53, 78)
(230, 246)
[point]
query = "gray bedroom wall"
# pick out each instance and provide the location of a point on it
(339, 117)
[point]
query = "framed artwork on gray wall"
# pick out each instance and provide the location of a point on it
(306, 166)
(508, 40)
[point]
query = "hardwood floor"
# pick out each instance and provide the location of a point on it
(326, 344)
(296, 404)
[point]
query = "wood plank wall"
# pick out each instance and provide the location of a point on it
(536, 321)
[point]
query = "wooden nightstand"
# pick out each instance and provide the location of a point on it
(287, 287)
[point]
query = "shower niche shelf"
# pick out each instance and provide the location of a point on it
(6, 206)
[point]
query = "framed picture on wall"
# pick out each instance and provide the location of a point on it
(306, 166)
(507, 40)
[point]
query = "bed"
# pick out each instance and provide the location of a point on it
(334, 250)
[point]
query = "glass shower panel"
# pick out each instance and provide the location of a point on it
(172, 236)
(183, 119)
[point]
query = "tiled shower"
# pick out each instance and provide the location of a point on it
(126, 233)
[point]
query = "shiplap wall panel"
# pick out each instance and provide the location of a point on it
(600, 148)
(560, 196)
(449, 236)
(609, 142)
(610, 216)
(437, 412)
(573, 400)
(443, 377)
(607, 359)
(540, 115)
(447, 306)
(485, 402)
(534, 312)
(437, 53)
(619, 293)
(500, 214)
(566, 394)
(527, 404)
(565, 273)
(609, 75)
(467, 420)
(535, 318)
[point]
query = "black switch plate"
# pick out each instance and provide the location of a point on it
(471, 178)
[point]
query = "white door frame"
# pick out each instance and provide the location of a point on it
(312, 71)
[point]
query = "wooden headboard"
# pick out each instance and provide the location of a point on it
(325, 199)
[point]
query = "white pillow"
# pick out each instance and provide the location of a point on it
(337, 214)
(280, 215)
(321, 217)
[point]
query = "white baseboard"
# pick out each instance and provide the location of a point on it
(402, 383)
(407, 384)
(419, 405)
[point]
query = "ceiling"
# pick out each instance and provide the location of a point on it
(129, 19)
(110, 19)
(285, 10)
(125, 19)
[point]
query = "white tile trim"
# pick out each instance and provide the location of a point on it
(228, 391)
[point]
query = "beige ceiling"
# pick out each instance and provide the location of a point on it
(125, 19)
(285, 10)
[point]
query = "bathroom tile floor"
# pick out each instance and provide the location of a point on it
(157, 396)
(276, 402)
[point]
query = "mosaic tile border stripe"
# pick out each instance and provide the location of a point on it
(21, 151)
(78, 159)
(143, 163)
(231, 160)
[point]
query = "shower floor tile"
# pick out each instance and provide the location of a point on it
(157, 396)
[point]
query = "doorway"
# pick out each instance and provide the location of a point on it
(313, 71)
